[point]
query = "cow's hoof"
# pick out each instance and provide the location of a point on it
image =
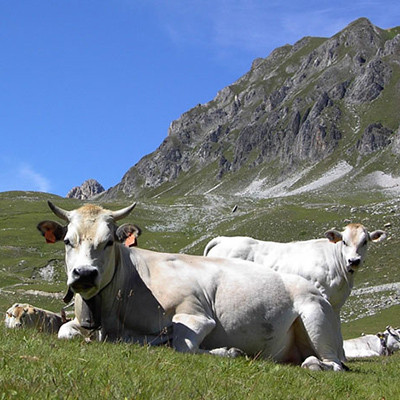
(312, 363)
(233, 352)
(345, 367)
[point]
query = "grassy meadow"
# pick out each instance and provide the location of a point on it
(37, 365)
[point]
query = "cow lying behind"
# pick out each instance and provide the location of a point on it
(199, 304)
(26, 315)
(329, 263)
(381, 344)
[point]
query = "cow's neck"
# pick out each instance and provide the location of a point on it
(90, 317)
(347, 272)
(341, 281)
(126, 302)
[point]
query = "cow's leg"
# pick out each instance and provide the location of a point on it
(189, 332)
(342, 354)
(72, 328)
(323, 330)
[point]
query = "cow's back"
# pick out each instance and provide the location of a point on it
(232, 247)
(316, 260)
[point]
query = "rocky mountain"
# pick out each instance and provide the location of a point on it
(86, 191)
(312, 113)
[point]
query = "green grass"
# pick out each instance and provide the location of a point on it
(37, 365)
(369, 325)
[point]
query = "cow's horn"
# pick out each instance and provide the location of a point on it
(119, 214)
(63, 214)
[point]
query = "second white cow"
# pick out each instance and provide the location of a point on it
(329, 263)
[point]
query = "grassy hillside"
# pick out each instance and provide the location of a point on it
(48, 368)
(186, 224)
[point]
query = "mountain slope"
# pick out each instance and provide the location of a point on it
(318, 111)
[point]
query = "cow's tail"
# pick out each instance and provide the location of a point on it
(211, 244)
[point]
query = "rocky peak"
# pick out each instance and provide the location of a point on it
(86, 191)
(293, 109)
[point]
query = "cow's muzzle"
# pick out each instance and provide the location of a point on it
(83, 278)
(354, 262)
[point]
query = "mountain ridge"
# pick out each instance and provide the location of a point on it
(303, 110)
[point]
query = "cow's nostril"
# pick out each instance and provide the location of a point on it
(76, 273)
(93, 274)
(355, 262)
(84, 273)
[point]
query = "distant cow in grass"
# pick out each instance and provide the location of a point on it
(26, 315)
(382, 344)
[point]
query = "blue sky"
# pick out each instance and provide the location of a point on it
(89, 87)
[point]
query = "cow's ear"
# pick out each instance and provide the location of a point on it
(52, 231)
(377, 236)
(333, 236)
(128, 234)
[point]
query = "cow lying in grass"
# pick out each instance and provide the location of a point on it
(199, 304)
(26, 315)
(382, 344)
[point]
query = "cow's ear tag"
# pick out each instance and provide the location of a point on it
(130, 240)
(50, 237)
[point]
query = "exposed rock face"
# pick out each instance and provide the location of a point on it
(86, 191)
(294, 108)
(375, 137)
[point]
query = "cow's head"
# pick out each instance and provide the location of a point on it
(19, 315)
(353, 241)
(392, 337)
(91, 238)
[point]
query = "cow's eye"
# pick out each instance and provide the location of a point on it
(67, 242)
(109, 243)
(344, 242)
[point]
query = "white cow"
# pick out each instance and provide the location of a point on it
(329, 263)
(381, 344)
(26, 315)
(199, 304)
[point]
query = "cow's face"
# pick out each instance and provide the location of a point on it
(90, 239)
(392, 338)
(89, 250)
(19, 315)
(353, 241)
(13, 316)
